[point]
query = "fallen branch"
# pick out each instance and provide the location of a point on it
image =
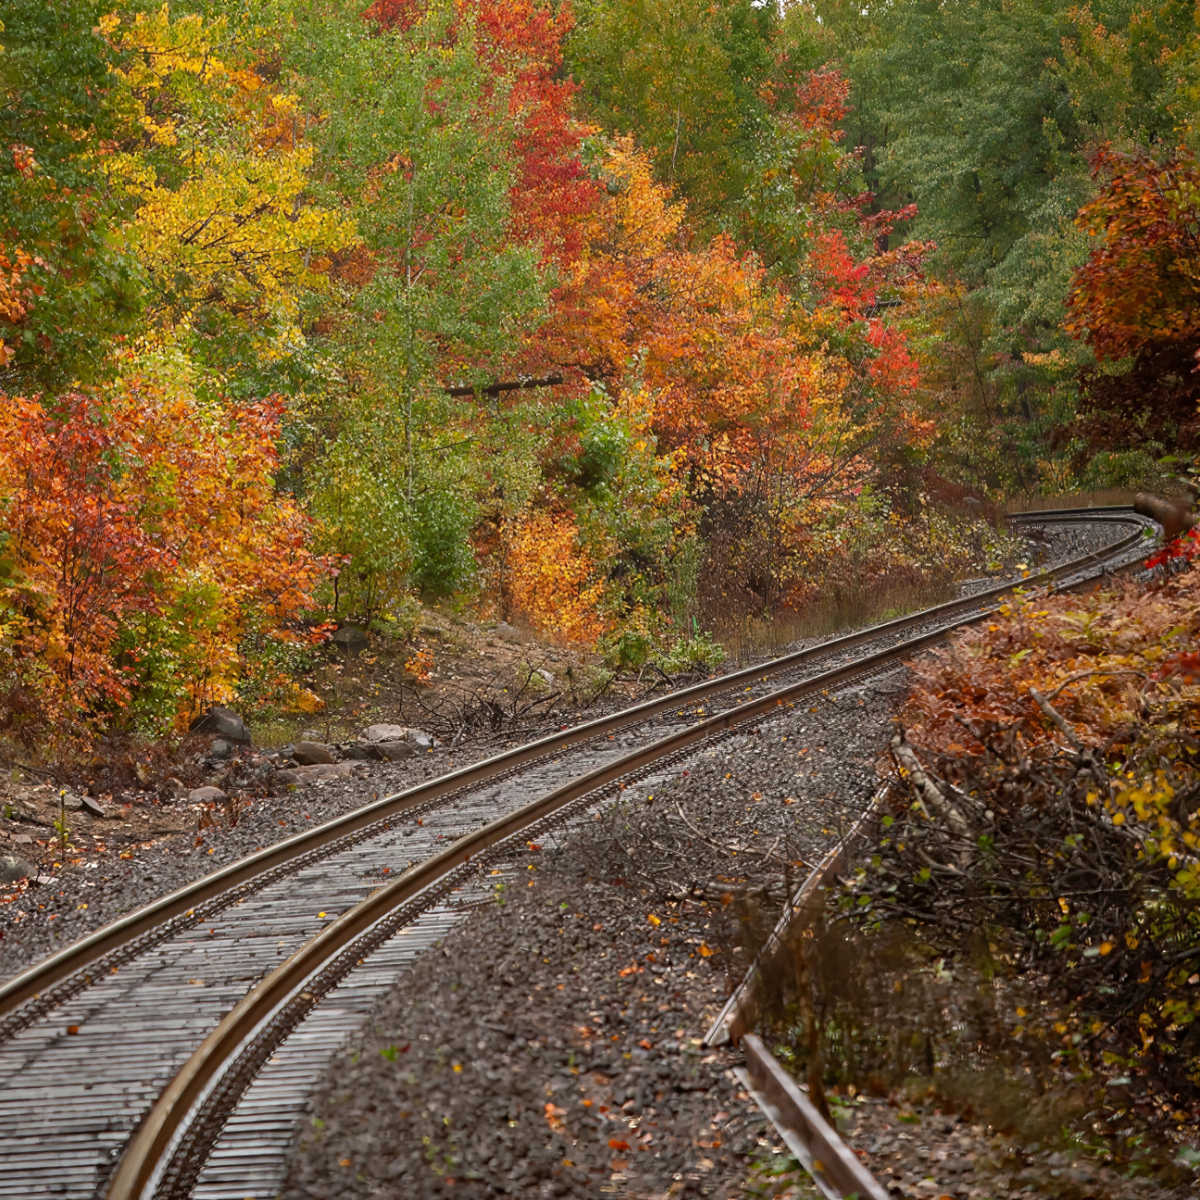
(1058, 721)
(931, 795)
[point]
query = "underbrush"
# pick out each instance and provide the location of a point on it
(1023, 942)
(861, 566)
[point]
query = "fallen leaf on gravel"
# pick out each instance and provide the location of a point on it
(706, 951)
(653, 919)
(617, 1144)
(554, 1116)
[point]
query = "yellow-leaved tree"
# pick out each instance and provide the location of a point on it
(215, 165)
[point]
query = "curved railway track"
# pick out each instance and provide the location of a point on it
(166, 1054)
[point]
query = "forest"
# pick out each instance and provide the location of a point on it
(614, 318)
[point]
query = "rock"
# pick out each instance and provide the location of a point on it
(224, 722)
(384, 733)
(309, 735)
(544, 676)
(376, 734)
(206, 795)
(359, 752)
(12, 868)
(220, 749)
(92, 806)
(350, 637)
(394, 751)
(314, 773)
(308, 753)
(509, 633)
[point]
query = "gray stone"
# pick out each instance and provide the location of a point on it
(385, 733)
(394, 751)
(206, 795)
(350, 637)
(314, 773)
(220, 749)
(92, 806)
(509, 633)
(397, 733)
(13, 868)
(224, 722)
(307, 753)
(360, 752)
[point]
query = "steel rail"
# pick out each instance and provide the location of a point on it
(72, 961)
(157, 1132)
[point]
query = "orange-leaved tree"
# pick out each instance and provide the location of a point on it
(144, 541)
(553, 580)
(1136, 300)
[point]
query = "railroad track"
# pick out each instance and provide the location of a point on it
(167, 1054)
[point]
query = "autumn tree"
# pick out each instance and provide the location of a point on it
(440, 294)
(143, 539)
(986, 116)
(56, 113)
(683, 77)
(214, 165)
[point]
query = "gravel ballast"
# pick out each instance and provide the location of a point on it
(74, 900)
(552, 1047)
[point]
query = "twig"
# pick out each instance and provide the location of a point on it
(1086, 674)
(732, 848)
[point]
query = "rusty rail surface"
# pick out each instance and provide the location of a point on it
(832, 1164)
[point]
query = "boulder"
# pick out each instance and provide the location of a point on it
(13, 867)
(221, 749)
(394, 751)
(206, 795)
(508, 633)
(223, 722)
(350, 637)
(376, 734)
(314, 773)
(308, 753)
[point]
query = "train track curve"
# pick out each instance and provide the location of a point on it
(147, 1040)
